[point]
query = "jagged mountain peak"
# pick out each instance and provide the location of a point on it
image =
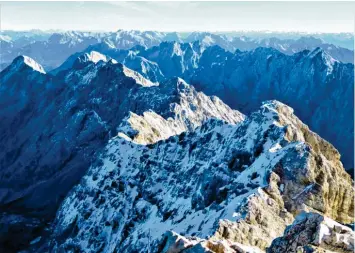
(185, 110)
(89, 57)
(24, 61)
(81, 59)
(96, 60)
(315, 52)
(85, 70)
(177, 87)
(320, 55)
(325, 55)
(93, 56)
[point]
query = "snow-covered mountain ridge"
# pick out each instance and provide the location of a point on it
(236, 186)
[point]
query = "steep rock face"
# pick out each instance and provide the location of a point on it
(239, 183)
(52, 126)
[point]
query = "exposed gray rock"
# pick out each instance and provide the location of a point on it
(312, 232)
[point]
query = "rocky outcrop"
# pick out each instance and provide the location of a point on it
(219, 187)
(192, 108)
(312, 232)
(174, 243)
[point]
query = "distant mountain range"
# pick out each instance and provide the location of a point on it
(43, 47)
(339, 39)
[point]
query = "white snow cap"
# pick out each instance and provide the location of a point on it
(96, 57)
(30, 62)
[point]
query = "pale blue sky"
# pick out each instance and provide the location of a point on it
(180, 16)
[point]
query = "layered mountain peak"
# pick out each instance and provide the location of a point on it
(174, 59)
(25, 62)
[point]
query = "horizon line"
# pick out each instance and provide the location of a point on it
(178, 31)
